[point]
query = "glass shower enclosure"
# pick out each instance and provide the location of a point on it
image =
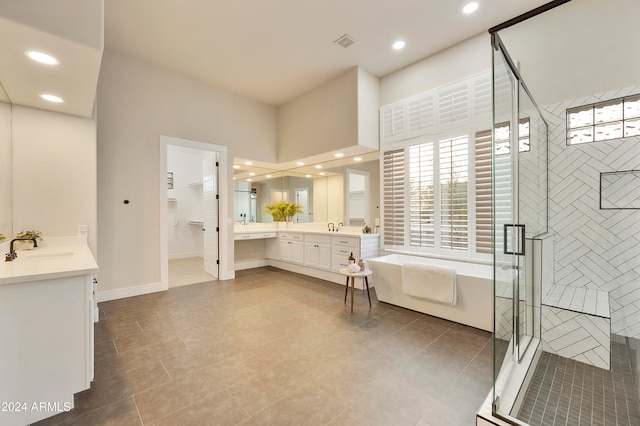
(519, 204)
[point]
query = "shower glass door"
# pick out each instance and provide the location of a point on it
(520, 213)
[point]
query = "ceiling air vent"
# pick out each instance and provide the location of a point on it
(345, 41)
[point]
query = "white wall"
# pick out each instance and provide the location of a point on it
(137, 103)
(458, 62)
(54, 173)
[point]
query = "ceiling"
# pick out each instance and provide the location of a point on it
(273, 51)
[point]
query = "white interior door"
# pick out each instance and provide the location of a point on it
(211, 225)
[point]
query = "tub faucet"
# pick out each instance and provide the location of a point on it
(12, 253)
(331, 226)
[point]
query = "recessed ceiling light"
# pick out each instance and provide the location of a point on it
(338, 154)
(399, 45)
(248, 163)
(307, 176)
(357, 159)
(252, 174)
(300, 163)
(470, 7)
(321, 173)
(318, 166)
(248, 179)
(268, 176)
(43, 58)
(234, 178)
(51, 98)
(235, 166)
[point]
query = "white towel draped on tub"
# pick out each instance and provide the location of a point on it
(435, 283)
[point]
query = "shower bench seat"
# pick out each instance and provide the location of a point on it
(576, 324)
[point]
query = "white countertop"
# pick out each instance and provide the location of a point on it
(301, 229)
(57, 258)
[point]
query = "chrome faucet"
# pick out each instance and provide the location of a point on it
(331, 226)
(12, 253)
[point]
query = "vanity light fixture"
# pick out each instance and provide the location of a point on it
(43, 58)
(51, 98)
(470, 8)
(399, 45)
(357, 159)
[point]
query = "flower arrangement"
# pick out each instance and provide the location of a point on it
(282, 211)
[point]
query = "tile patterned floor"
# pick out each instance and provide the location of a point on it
(568, 392)
(273, 347)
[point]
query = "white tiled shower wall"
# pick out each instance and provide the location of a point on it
(596, 249)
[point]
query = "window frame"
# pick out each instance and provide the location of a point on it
(594, 124)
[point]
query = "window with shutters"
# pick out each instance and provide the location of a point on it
(438, 172)
(454, 207)
(484, 228)
(393, 197)
(421, 195)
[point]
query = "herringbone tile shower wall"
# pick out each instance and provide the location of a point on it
(597, 249)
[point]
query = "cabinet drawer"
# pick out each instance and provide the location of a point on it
(350, 242)
(292, 236)
(319, 239)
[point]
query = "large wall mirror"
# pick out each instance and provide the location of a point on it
(343, 190)
(6, 217)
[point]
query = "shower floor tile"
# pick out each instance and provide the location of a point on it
(568, 392)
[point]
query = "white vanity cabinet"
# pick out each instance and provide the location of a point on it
(46, 331)
(341, 248)
(291, 247)
(317, 249)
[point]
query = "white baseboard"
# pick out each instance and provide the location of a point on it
(248, 264)
(184, 255)
(334, 277)
(121, 293)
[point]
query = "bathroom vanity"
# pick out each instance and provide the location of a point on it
(305, 249)
(46, 329)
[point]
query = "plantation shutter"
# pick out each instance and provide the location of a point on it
(484, 232)
(454, 177)
(394, 197)
(421, 193)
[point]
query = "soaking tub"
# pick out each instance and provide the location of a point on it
(474, 286)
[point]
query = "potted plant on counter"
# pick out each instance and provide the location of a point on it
(283, 211)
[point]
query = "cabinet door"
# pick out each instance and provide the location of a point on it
(311, 254)
(297, 252)
(324, 256)
(286, 250)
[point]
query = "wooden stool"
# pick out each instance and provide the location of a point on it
(364, 275)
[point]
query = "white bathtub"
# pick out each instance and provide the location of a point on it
(474, 289)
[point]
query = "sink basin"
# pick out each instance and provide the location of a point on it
(49, 255)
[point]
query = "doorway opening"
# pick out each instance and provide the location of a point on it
(193, 244)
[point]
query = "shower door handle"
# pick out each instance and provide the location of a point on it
(521, 239)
